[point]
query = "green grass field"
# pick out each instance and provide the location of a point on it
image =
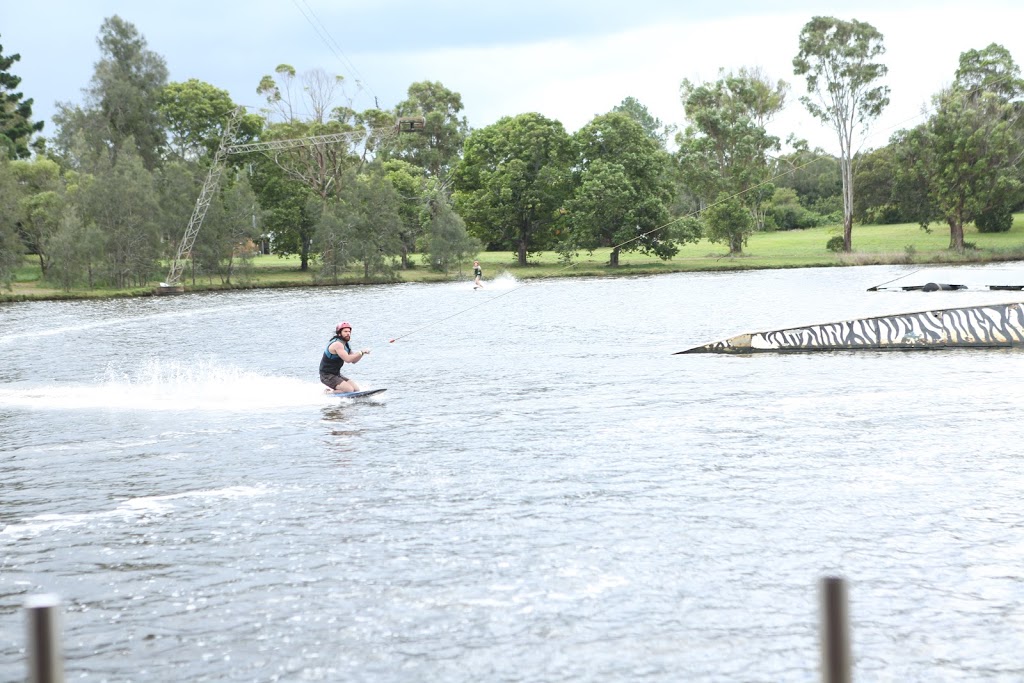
(872, 244)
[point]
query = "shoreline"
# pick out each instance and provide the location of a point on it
(541, 267)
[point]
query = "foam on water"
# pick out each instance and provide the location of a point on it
(132, 510)
(503, 282)
(155, 385)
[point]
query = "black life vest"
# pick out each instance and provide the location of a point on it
(331, 363)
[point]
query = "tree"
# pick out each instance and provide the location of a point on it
(125, 90)
(319, 167)
(728, 221)
(437, 147)
(77, 249)
(631, 107)
(411, 185)
(597, 212)
(969, 154)
(121, 201)
(875, 181)
(513, 177)
(80, 140)
(195, 113)
(837, 59)
(320, 94)
(992, 70)
(448, 243)
(11, 247)
(41, 206)
(759, 96)
(289, 217)
(226, 244)
(361, 227)
(785, 212)
(376, 225)
(622, 192)
(178, 185)
(16, 125)
(331, 236)
(724, 150)
(433, 152)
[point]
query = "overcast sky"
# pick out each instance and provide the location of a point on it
(566, 60)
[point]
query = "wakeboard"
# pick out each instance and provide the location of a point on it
(357, 394)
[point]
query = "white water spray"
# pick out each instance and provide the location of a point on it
(205, 385)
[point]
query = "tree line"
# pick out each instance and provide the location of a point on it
(103, 200)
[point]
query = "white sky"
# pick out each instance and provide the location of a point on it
(568, 60)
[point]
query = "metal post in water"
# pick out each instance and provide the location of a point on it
(45, 663)
(835, 632)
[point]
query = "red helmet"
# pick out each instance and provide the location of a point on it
(340, 326)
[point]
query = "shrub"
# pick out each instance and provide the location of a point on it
(785, 212)
(835, 244)
(995, 220)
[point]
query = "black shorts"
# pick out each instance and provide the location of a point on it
(332, 380)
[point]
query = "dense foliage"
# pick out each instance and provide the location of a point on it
(16, 125)
(104, 200)
(968, 155)
(512, 180)
(724, 152)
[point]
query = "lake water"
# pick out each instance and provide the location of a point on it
(543, 493)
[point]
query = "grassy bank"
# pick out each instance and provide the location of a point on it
(873, 244)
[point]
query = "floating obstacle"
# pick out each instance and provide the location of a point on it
(990, 326)
(945, 287)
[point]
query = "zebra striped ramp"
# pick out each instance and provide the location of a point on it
(991, 326)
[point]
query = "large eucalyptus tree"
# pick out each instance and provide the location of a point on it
(837, 58)
(723, 151)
